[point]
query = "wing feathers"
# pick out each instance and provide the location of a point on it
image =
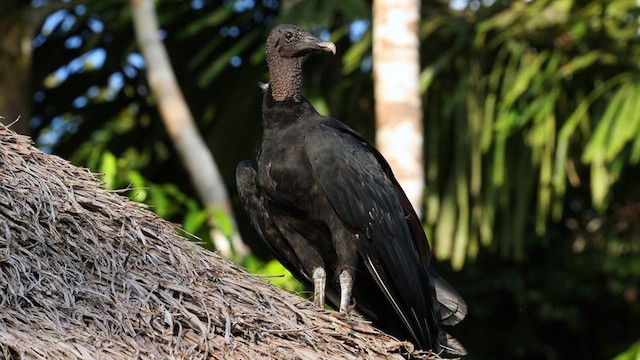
(392, 300)
(362, 192)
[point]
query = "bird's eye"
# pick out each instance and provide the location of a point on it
(288, 36)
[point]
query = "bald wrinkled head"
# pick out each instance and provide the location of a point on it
(290, 41)
(286, 47)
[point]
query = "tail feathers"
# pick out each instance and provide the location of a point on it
(453, 309)
(451, 348)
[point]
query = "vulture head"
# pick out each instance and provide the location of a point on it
(286, 47)
(290, 41)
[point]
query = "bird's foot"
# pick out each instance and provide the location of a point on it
(318, 301)
(346, 286)
(319, 282)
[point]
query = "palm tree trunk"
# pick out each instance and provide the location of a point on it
(396, 71)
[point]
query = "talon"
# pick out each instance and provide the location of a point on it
(352, 306)
(341, 315)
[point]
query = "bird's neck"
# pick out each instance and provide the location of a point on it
(278, 114)
(286, 79)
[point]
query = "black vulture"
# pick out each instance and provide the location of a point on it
(327, 204)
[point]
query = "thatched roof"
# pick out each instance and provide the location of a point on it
(86, 273)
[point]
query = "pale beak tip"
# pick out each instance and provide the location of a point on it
(328, 46)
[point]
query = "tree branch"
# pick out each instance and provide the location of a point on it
(180, 124)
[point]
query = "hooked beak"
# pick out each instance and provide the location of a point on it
(328, 46)
(309, 44)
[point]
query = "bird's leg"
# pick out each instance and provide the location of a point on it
(346, 286)
(319, 281)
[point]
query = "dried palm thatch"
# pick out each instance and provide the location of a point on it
(86, 273)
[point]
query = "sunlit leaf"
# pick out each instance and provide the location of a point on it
(138, 192)
(109, 169)
(160, 203)
(195, 218)
(632, 353)
(223, 221)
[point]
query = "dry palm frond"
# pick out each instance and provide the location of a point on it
(86, 273)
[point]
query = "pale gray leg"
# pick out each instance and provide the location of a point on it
(346, 286)
(319, 281)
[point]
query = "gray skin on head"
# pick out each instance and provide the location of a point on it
(286, 47)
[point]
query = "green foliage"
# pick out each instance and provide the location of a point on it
(223, 222)
(222, 60)
(166, 200)
(546, 94)
(633, 353)
(323, 14)
(274, 272)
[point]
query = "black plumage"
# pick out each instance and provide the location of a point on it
(327, 204)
